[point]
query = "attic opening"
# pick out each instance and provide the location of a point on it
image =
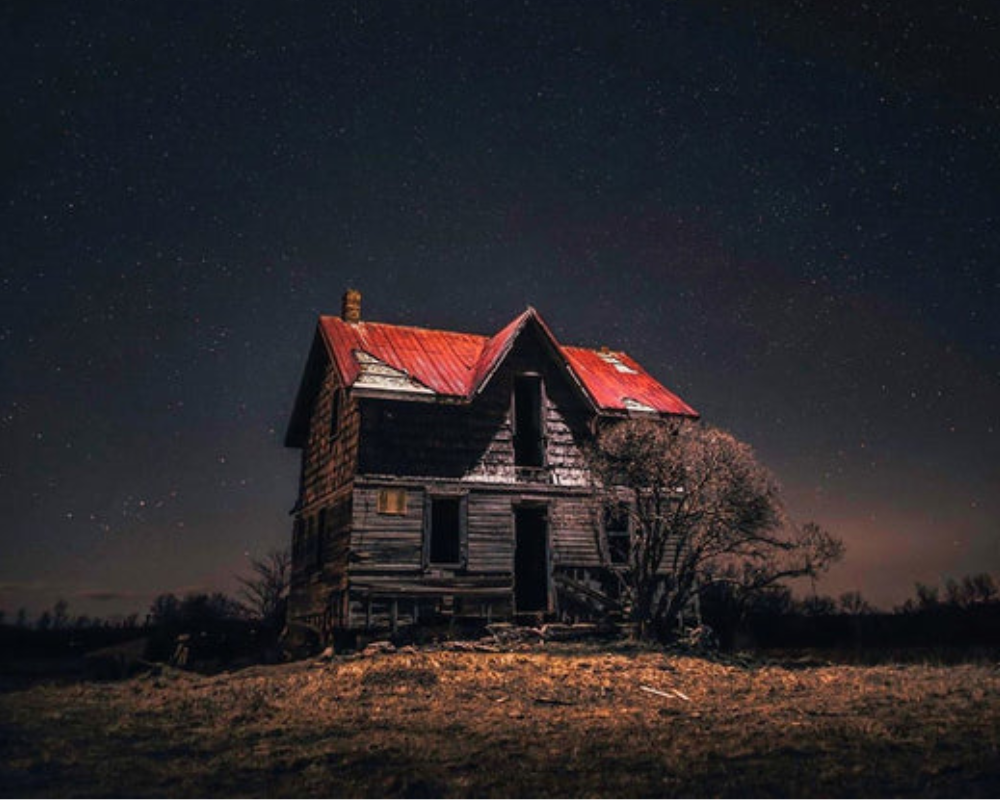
(529, 429)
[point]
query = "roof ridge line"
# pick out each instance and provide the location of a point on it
(408, 327)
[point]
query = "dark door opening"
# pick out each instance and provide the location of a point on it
(531, 559)
(446, 531)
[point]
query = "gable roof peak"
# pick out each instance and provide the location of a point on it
(497, 347)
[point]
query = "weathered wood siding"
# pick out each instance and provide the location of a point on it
(491, 532)
(574, 530)
(387, 543)
(391, 583)
(319, 556)
(329, 462)
(388, 551)
(475, 443)
(323, 513)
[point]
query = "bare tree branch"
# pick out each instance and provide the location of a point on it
(265, 591)
(702, 509)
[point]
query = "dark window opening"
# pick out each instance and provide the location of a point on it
(446, 531)
(529, 446)
(616, 529)
(335, 413)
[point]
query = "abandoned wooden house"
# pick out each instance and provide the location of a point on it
(444, 474)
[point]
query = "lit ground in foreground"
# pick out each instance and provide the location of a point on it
(566, 721)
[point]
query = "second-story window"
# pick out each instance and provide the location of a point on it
(529, 441)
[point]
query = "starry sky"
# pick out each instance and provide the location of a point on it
(787, 212)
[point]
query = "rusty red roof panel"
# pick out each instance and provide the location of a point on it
(611, 386)
(458, 364)
(440, 360)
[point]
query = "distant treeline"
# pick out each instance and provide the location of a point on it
(202, 631)
(193, 611)
(959, 614)
(16, 642)
(59, 617)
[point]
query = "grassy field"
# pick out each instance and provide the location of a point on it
(543, 721)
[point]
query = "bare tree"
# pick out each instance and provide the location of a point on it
(970, 591)
(853, 604)
(265, 592)
(702, 510)
(980, 588)
(60, 613)
(954, 594)
(927, 596)
(165, 610)
(817, 605)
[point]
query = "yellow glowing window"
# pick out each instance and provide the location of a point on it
(392, 501)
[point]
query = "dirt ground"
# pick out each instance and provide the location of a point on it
(577, 721)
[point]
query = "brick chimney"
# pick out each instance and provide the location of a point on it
(350, 307)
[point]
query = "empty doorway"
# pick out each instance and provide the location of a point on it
(531, 559)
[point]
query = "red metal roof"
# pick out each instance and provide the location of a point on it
(610, 386)
(440, 360)
(459, 364)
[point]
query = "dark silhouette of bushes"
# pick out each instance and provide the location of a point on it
(200, 631)
(963, 619)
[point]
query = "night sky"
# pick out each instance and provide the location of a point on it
(787, 212)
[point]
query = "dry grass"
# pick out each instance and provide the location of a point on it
(567, 721)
